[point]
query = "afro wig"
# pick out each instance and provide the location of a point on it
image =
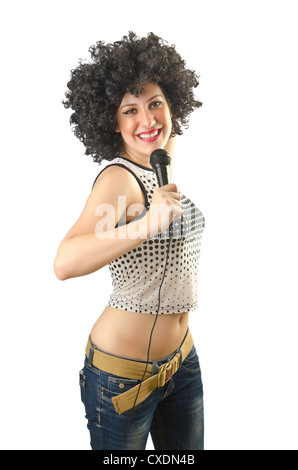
(96, 89)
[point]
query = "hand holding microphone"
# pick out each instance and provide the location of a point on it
(166, 203)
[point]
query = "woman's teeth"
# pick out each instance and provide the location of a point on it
(149, 136)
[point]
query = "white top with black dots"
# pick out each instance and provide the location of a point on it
(137, 275)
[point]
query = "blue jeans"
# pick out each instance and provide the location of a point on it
(173, 414)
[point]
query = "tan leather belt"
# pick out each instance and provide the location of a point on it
(135, 370)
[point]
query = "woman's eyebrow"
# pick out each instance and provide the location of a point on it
(135, 104)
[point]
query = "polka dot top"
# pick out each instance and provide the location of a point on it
(137, 275)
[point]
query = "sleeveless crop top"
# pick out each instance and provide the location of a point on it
(137, 274)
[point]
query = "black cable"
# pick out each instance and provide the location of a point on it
(149, 345)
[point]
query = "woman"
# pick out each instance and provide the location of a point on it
(141, 371)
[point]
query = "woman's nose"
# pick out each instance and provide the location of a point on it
(147, 119)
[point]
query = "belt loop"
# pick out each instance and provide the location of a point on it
(90, 355)
(154, 367)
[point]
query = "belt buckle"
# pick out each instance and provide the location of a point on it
(162, 376)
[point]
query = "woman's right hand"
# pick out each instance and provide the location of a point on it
(165, 207)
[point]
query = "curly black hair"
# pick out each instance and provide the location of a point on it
(96, 89)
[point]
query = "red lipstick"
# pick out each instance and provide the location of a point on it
(149, 136)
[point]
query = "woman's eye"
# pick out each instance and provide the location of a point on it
(155, 104)
(130, 111)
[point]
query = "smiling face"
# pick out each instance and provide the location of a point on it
(144, 122)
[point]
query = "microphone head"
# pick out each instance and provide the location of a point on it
(159, 157)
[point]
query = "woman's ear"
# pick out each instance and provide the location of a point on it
(117, 130)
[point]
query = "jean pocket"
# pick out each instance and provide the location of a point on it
(191, 363)
(118, 385)
(83, 386)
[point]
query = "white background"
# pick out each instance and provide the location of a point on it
(237, 161)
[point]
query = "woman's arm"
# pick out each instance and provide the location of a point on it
(83, 251)
(85, 254)
(93, 241)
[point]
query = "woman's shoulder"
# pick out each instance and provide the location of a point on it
(117, 180)
(115, 173)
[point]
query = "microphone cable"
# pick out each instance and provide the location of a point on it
(150, 339)
(160, 161)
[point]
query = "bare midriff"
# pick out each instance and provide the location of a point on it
(127, 334)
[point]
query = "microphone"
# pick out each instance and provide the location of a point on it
(160, 161)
